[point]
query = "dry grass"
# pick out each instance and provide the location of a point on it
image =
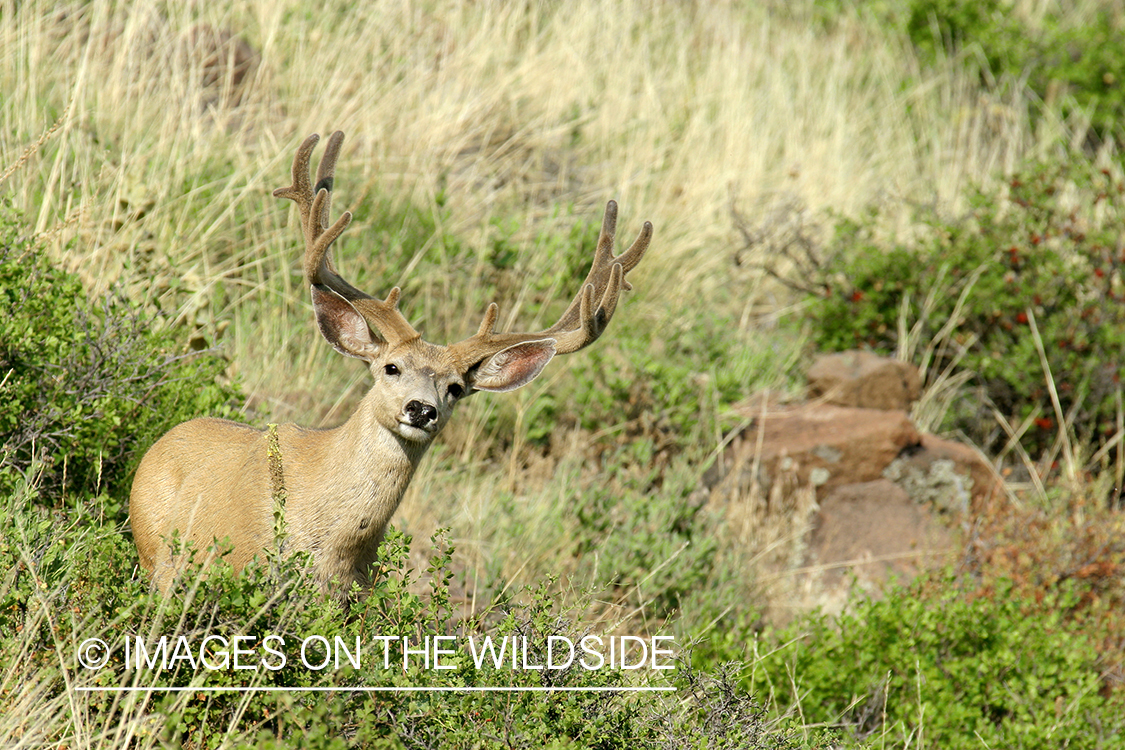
(509, 109)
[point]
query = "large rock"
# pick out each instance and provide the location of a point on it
(836, 495)
(827, 446)
(865, 380)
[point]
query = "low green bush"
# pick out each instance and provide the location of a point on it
(87, 384)
(935, 666)
(63, 588)
(1073, 543)
(644, 534)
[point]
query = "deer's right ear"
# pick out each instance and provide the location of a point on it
(343, 326)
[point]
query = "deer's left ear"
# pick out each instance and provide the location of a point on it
(511, 368)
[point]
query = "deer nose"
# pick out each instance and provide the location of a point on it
(420, 413)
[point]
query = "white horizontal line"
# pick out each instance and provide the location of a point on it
(469, 689)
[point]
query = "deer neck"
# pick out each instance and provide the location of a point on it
(373, 467)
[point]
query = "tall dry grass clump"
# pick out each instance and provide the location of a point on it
(509, 109)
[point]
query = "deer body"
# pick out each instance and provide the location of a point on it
(211, 480)
(221, 488)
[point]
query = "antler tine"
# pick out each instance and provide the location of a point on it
(584, 321)
(314, 204)
(314, 208)
(326, 170)
(601, 271)
(300, 192)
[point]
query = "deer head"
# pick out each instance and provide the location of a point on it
(419, 383)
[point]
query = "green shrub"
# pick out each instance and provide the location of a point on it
(87, 384)
(932, 666)
(1043, 257)
(644, 533)
(64, 588)
(1076, 543)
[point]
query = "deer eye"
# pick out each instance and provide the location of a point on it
(456, 390)
(391, 369)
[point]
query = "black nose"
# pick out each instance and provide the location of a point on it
(420, 414)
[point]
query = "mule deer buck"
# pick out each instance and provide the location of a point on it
(210, 479)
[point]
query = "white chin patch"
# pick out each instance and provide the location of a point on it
(410, 432)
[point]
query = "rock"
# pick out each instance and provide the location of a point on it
(865, 380)
(829, 446)
(833, 494)
(872, 531)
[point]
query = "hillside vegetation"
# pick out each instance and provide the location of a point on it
(929, 179)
